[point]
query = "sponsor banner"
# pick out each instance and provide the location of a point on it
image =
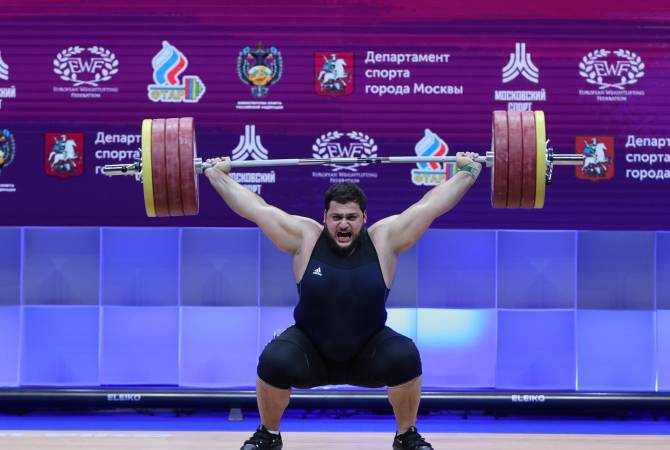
(72, 101)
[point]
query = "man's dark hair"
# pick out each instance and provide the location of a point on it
(345, 193)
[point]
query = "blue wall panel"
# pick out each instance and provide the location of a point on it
(60, 346)
(663, 270)
(533, 340)
(403, 289)
(10, 344)
(616, 351)
(219, 267)
(536, 350)
(458, 347)
(139, 345)
(536, 269)
(140, 266)
(663, 350)
(456, 269)
(61, 266)
(218, 346)
(10, 266)
(615, 270)
(277, 281)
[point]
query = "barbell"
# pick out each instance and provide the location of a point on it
(168, 169)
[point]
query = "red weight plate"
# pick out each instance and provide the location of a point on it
(500, 160)
(158, 170)
(172, 165)
(514, 173)
(189, 179)
(529, 166)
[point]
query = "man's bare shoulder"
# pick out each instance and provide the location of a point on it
(379, 232)
(381, 226)
(309, 225)
(311, 230)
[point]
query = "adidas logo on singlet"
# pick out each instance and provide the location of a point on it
(317, 271)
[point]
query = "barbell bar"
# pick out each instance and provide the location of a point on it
(521, 163)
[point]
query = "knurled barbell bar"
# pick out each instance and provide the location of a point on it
(519, 158)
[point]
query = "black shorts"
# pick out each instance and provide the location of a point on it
(291, 360)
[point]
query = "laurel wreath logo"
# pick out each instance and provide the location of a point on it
(279, 68)
(368, 146)
(587, 68)
(109, 67)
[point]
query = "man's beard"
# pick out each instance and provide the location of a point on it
(344, 251)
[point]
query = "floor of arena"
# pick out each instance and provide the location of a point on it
(163, 430)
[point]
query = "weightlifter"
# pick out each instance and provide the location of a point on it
(343, 271)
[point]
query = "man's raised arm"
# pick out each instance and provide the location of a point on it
(403, 230)
(286, 231)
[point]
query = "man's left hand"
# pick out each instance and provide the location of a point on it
(465, 158)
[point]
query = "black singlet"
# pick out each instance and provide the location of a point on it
(342, 298)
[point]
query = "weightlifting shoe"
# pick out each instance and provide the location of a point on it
(262, 439)
(410, 440)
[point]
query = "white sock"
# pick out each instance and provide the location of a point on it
(272, 431)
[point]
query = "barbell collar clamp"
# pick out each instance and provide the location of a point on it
(566, 159)
(122, 169)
